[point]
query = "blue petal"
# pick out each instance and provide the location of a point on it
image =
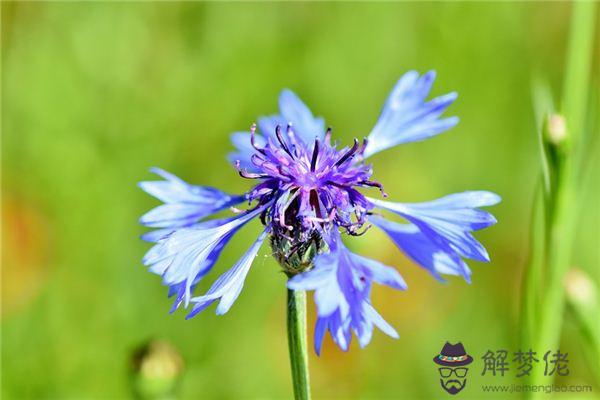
(461, 208)
(320, 329)
(339, 329)
(313, 279)
(448, 221)
(380, 273)
(175, 190)
(229, 285)
(176, 215)
(157, 234)
(185, 204)
(381, 323)
(421, 249)
(406, 117)
(304, 124)
(187, 253)
(180, 288)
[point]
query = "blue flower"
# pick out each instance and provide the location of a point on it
(307, 195)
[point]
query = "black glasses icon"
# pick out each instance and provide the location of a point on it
(459, 372)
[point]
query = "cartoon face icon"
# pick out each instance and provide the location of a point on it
(453, 371)
(453, 380)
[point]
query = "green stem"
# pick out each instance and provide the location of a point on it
(561, 202)
(296, 326)
(559, 246)
(578, 68)
(532, 273)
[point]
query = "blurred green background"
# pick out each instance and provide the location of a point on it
(93, 94)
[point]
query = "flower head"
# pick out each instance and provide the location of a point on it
(308, 193)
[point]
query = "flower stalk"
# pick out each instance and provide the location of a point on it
(296, 328)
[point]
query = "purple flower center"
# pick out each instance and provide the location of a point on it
(310, 185)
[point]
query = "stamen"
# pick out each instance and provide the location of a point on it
(251, 175)
(363, 147)
(257, 160)
(348, 154)
(253, 140)
(284, 208)
(292, 136)
(328, 136)
(263, 216)
(375, 184)
(248, 175)
(354, 230)
(281, 142)
(313, 162)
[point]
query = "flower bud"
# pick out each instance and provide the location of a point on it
(557, 128)
(294, 255)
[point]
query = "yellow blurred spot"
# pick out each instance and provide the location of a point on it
(158, 366)
(557, 128)
(580, 288)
